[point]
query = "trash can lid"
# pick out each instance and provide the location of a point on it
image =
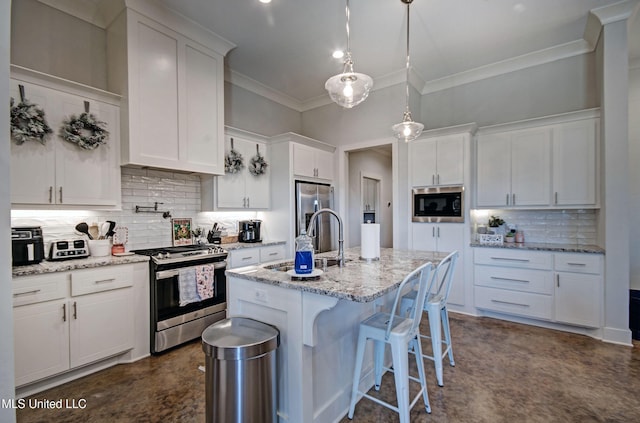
(239, 338)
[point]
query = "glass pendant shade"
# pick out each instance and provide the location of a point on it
(407, 130)
(348, 89)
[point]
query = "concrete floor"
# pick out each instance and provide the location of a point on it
(505, 372)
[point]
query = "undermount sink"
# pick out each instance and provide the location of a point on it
(289, 265)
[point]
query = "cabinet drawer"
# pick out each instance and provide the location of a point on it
(106, 278)
(514, 302)
(510, 258)
(525, 280)
(578, 263)
(272, 253)
(244, 257)
(39, 288)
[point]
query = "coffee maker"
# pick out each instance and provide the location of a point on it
(249, 231)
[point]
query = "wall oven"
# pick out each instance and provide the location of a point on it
(173, 324)
(438, 204)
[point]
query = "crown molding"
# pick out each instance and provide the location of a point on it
(88, 11)
(261, 89)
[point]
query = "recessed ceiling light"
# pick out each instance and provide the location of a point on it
(338, 54)
(265, 1)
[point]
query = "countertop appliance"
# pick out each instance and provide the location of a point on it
(438, 204)
(249, 231)
(68, 249)
(173, 324)
(27, 245)
(311, 197)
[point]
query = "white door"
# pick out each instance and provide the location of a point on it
(574, 163)
(531, 167)
(257, 187)
(231, 186)
(424, 236)
(451, 238)
(450, 160)
(324, 164)
(304, 160)
(423, 156)
(577, 299)
(101, 325)
(41, 340)
(494, 171)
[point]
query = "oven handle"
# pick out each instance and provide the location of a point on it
(165, 274)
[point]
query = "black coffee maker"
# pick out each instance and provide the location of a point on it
(249, 231)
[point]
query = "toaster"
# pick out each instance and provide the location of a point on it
(68, 249)
(27, 246)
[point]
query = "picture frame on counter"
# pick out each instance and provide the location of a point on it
(181, 231)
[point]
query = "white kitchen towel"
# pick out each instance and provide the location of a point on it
(187, 286)
(370, 241)
(204, 281)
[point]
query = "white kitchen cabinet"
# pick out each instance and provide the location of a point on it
(241, 190)
(574, 163)
(171, 74)
(578, 289)
(312, 162)
(437, 161)
(446, 238)
(514, 168)
(248, 256)
(370, 194)
(61, 173)
(65, 320)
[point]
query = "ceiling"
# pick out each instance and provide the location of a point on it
(285, 47)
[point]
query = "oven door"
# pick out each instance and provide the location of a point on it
(166, 309)
(438, 204)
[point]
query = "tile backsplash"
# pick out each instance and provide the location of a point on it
(175, 192)
(577, 227)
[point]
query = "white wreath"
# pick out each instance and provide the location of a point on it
(85, 130)
(28, 122)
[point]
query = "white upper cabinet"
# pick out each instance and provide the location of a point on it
(61, 173)
(574, 163)
(312, 162)
(545, 165)
(437, 161)
(243, 189)
(174, 88)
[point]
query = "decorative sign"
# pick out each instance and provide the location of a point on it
(181, 231)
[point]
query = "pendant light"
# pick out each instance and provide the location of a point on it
(349, 88)
(407, 130)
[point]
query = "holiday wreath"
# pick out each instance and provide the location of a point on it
(258, 165)
(85, 130)
(28, 121)
(233, 161)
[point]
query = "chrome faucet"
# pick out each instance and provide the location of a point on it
(311, 227)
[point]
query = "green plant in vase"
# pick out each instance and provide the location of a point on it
(495, 222)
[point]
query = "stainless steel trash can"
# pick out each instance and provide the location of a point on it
(240, 371)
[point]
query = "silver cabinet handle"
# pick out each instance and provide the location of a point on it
(105, 281)
(438, 231)
(247, 258)
(438, 178)
(507, 199)
(555, 200)
(273, 254)
(433, 179)
(248, 202)
(64, 312)
(513, 202)
(577, 264)
(75, 310)
(20, 294)
(558, 280)
(433, 232)
(60, 195)
(510, 303)
(244, 202)
(50, 195)
(498, 278)
(510, 259)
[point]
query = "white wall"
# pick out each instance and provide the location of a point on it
(375, 165)
(561, 86)
(6, 311)
(50, 41)
(634, 176)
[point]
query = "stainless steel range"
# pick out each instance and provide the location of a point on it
(179, 312)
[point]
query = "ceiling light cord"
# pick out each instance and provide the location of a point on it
(408, 63)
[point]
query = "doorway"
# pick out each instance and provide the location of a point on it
(370, 192)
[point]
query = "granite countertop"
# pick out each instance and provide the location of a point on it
(82, 263)
(534, 246)
(358, 280)
(239, 245)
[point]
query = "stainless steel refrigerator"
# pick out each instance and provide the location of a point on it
(311, 197)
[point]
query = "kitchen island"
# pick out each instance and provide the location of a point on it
(318, 322)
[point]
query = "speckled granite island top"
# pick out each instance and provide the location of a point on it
(83, 263)
(240, 245)
(358, 281)
(533, 246)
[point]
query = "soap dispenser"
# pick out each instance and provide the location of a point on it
(304, 254)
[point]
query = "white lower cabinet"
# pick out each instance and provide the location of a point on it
(69, 319)
(249, 256)
(559, 287)
(443, 237)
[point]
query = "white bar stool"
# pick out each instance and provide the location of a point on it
(436, 308)
(402, 334)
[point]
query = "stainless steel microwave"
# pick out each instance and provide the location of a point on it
(438, 204)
